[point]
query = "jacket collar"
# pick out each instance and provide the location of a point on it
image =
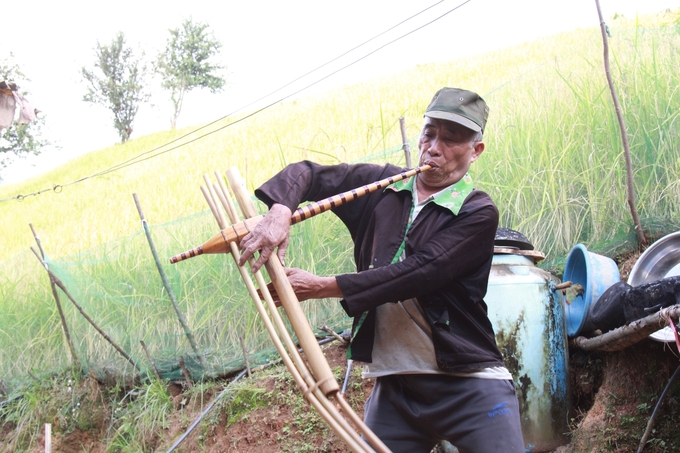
(451, 198)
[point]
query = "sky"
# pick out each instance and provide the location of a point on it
(267, 45)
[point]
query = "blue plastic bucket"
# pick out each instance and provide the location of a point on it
(595, 273)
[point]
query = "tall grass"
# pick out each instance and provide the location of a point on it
(117, 285)
(553, 164)
(557, 170)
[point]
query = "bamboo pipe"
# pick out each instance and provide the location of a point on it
(227, 202)
(322, 372)
(303, 331)
(315, 398)
(299, 370)
(234, 233)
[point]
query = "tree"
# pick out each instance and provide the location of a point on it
(20, 138)
(118, 84)
(184, 64)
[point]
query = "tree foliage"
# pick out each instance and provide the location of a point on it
(117, 82)
(184, 64)
(19, 139)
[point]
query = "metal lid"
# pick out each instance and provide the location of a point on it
(660, 260)
(507, 238)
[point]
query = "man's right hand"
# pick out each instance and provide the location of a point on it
(271, 232)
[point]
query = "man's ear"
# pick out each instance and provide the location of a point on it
(478, 150)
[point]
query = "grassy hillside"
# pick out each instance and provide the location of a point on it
(552, 163)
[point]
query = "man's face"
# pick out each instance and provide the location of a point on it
(449, 148)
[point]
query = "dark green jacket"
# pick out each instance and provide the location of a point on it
(448, 258)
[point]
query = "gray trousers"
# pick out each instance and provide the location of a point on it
(411, 413)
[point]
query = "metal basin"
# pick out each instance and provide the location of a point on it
(660, 260)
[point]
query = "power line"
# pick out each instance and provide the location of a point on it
(139, 158)
(124, 164)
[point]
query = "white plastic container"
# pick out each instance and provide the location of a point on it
(528, 319)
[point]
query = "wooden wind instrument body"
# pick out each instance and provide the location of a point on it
(220, 242)
(313, 375)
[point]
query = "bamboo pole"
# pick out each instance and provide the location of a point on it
(298, 370)
(289, 302)
(282, 331)
(220, 242)
(624, 135)
(296, 317)
(404, 140)
(55, 294)
(153, 363)
(166, 284)
(61, 286)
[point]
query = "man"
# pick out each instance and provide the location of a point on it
(423, 250)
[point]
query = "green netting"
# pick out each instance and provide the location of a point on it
(119, 287)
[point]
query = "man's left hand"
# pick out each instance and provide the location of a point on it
(271, 232)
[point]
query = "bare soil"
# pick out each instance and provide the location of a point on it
(613, 396)
(268, 413)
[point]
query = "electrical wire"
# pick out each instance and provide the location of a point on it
(138, 158)
(650, 423)
(123, 164)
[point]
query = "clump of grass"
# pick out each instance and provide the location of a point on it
(65, 400)
(139, 418)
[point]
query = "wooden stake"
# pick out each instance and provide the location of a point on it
(245, 354)
(61, 286)
(624, 134)
(55, 294)
(325, 328)
(166, 284)
(48, 438)
(148, 356)
(185, 372)
(404, 140)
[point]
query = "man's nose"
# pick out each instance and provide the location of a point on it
(434, 148)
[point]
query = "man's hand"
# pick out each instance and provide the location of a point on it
(307, 286)
(271, 232)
